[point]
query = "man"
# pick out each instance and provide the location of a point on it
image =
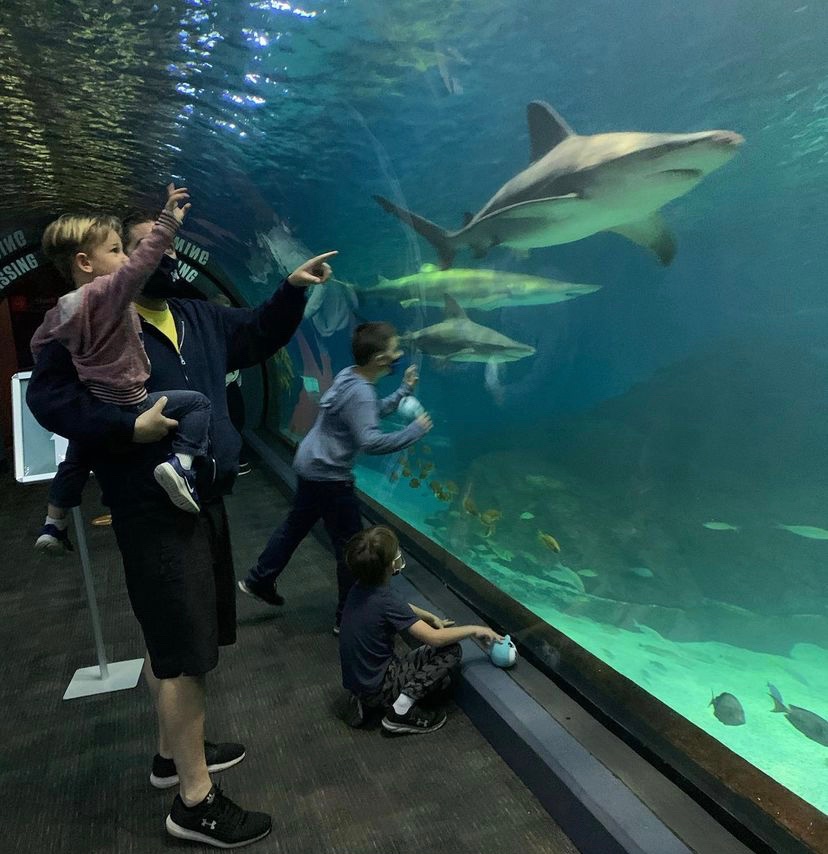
(178, 566)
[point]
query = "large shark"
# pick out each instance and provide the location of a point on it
(458, 339)
(576, 186)
(482, 289)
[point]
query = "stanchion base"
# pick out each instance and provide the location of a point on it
(87, 680)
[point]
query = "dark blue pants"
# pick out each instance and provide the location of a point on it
(191, 410)
(336, 504)
(67, 485)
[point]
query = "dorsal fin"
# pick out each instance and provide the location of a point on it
(468, 216)
(546, 129)
(452, 307)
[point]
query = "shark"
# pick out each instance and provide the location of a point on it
(485, 290)
(458, 339)
(578, 185)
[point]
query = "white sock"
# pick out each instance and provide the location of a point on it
(186, 461)
(60, 524)
(403, 703)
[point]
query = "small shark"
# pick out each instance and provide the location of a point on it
(458, 339)
(577, 186)
(481, 289)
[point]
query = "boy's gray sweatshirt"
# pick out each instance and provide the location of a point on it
(348, 424)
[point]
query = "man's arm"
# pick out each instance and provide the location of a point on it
(255, 334)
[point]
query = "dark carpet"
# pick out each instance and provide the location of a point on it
(74, 775)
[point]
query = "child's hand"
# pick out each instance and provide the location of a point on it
(174, 198)
(411, 376)
(425, 422)
(313, 272)
(485, 634)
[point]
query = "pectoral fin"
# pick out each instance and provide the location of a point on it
(652, 234)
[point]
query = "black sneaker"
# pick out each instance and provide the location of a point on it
(219, 757)
(264, 592)
(416, 719)
(244, 468)
(53, 541)
(217, 821)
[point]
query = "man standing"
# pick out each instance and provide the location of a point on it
(178, 566)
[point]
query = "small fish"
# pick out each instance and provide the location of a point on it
(527, 515)
(414, 484)
(549, 541)
(808, 723)
(469, 506)
(393, 477)
(587, 573)
(727, 709)
(489, 517)
(443, 496)
(719, 526)
(435, 485)
(806, 531)
(452, 487)
(406, 472)
(640, 571)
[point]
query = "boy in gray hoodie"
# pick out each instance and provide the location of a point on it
(347, 425)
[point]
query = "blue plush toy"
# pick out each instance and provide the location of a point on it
(503, 653)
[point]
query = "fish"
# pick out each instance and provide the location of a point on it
(452, 487)
(807, 531)
(414, 483)
(487, 517)
(393, 477)
(469, 506)
(728, 709)
(443, 496)
(719, 526)
(576, 186)
(549, 541)
(641, 571)
(808, 723)
(458, 339)
(587, 573)
(484, 290)
(527, 515)
(566, 576)
(406, 471)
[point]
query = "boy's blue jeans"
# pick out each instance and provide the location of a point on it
(336, 504)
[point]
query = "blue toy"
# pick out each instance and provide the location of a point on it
(503, 653)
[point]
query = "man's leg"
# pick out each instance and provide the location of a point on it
(154, 686)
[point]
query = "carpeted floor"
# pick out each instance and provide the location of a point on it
(74, 774)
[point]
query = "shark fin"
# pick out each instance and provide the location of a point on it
(652, 234)
(381, 280)
(546, 129)
(435, 235)
(453, 308)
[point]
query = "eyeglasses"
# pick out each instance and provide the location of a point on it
(398, 563)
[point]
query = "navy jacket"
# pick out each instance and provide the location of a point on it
(213, 340)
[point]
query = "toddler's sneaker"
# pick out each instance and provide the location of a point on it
(52, 541)
(178, 483)
(417, 719)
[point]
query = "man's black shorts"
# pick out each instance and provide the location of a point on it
(181, 583)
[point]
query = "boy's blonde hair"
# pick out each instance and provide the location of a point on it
(73, 233)
(370, 553)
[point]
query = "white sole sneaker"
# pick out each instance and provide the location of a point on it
(47, 544)
(176, 488)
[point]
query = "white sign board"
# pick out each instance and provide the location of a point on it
(37, 452)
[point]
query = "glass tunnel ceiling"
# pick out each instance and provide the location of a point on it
(668, 419)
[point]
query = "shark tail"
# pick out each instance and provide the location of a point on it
(778, 702)
(435, 235)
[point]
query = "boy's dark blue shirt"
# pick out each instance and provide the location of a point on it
(372, 618)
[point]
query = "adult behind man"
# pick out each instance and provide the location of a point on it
(178, 566)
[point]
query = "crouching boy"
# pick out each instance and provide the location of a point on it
(373, 616)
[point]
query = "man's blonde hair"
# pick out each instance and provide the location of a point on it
(73, 233)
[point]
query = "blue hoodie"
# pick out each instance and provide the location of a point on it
(348, 424)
